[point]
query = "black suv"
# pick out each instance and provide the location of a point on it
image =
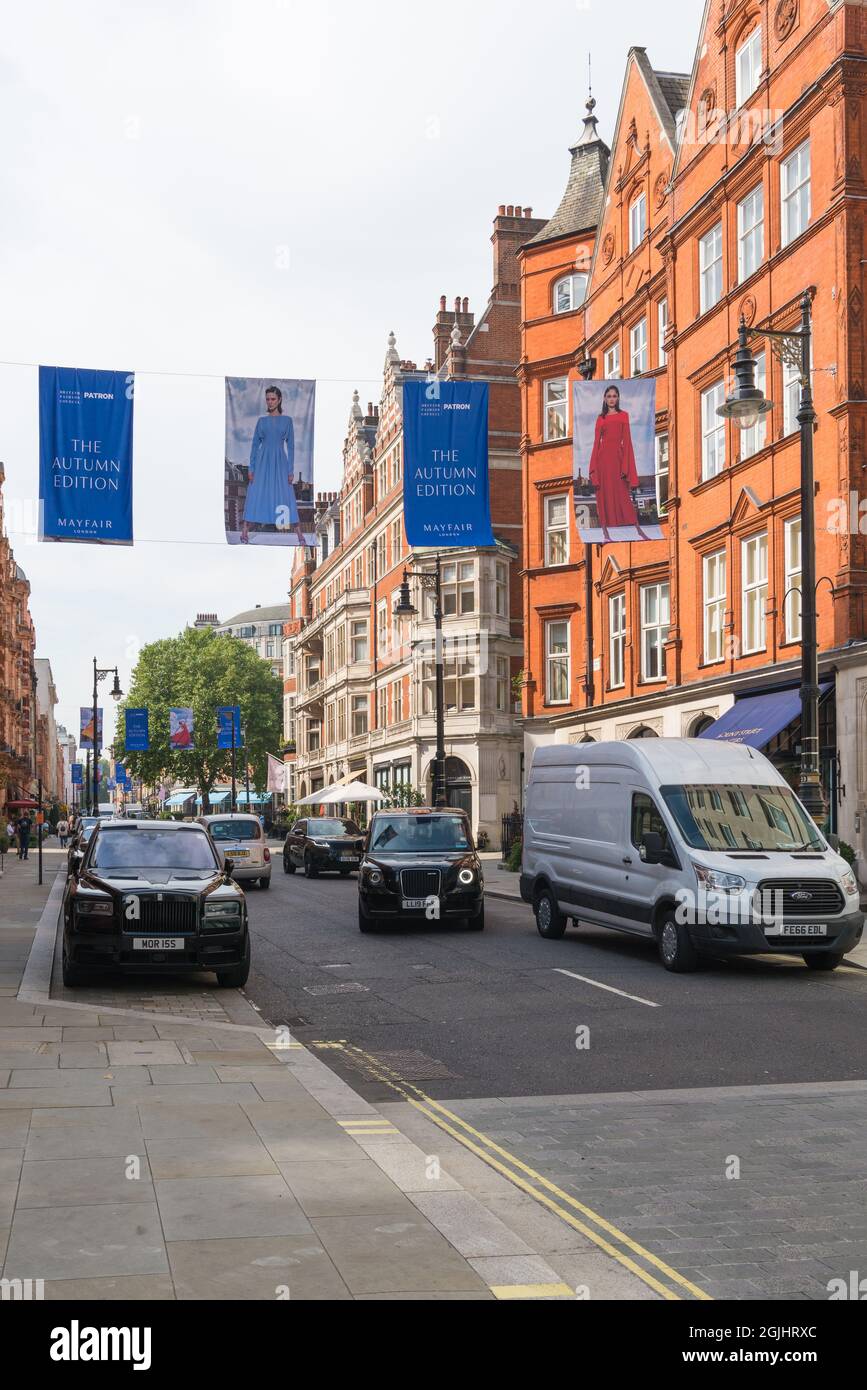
(420, 866)
(151, 897)
(323, 842)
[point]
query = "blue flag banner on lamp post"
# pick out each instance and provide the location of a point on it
(446, 497)
(85, 726)
(85, 455)
(136, 737)
(77, 774)
(225, 715)
(181, 726)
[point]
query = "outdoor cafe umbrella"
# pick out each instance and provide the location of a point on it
(348, 791)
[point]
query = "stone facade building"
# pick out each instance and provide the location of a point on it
(18, 718)
(361, 703)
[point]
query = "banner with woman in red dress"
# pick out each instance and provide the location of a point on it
(614, 464)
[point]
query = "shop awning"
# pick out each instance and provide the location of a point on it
(756, 719)
(217, 798)
(180, 798)
(256, 798)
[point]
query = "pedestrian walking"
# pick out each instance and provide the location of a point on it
(23, 829)
(10, 833)
(63, 832)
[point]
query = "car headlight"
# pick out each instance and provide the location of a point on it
(466, 876)
(94, 909)
(715, 881)
(849, 882)
(373, 876)
(222, 909)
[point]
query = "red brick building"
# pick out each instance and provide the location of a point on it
(728, 192)
(359, 689)
(18, 712)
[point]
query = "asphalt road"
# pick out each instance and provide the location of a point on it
(493, 1014)
(755, 1193)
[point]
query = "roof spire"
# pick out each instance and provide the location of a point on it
(589, 133)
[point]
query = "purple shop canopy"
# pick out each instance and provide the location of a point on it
(756, 719)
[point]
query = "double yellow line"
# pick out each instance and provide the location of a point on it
(539, 1187)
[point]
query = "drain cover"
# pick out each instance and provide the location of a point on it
(412, 1065)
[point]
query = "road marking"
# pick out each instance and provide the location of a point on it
(532, 1291)
(636, 998)
(537, 1186)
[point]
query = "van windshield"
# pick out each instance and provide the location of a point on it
(741, 818)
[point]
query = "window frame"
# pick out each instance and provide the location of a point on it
(659, 473)
(617, 640)
(662, 589)
(714, 599)
(558, 661)
(637, 233)
(710, 272)
(642, 350)
(611, 370)
(751, 46)
(717, 389)
(552, 531)
(556, 408)
(788, 195)
(793, 630)
(576, 300)
(662, 328)
(756, 590)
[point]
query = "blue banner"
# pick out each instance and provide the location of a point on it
(446, 496)
(85, 455)
(77, 774)
(121, 776)
(136, 737)
(225, 715)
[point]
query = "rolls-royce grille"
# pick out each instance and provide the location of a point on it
(419, 883)
(173, 914)
(792, 897)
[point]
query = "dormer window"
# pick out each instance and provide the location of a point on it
(569, 293)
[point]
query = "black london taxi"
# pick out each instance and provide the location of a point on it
(323, 843)
(420, 865)
(151, 897)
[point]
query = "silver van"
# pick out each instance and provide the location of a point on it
(700, 846)
(241, 838)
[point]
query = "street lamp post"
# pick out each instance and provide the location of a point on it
(404, 608)
(99, 674)
(745, 405)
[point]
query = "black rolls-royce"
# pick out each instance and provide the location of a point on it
(420, 865)
(152, 897)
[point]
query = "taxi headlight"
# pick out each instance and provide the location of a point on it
(466, 876)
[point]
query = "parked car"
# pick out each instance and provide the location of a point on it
(697, 845)
(420, 865)
(84, 828)
(241, 838)
(323, 843)
(152, 897)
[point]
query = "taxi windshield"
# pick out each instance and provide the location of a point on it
(419, 834)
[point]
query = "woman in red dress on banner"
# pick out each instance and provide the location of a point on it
(612, 465)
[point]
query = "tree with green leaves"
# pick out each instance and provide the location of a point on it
(202, 671)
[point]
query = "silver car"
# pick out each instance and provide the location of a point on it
(241, 839)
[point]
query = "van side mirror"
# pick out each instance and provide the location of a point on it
(652, 850)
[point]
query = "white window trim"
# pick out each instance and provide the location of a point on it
(548, 405)
(714, 602)
(549, 529)
(654, 627)
(635, 236)
(754, 588)
(717, 428)
(611, 363)
(748, 234)
(638, 347)
(752, 42)
(617, 640)
(708, 268)
(792, 607)
(658, 473)
(787, 194)
(574, 301)
(661, 328)
(754, 439)
(559, 657)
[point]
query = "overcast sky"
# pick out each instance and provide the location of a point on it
(192, 190)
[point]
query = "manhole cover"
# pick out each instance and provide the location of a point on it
(412, 1065)
(348, 987)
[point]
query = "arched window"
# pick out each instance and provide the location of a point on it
(588, 738)
(569, 293)
(703, 722)
(644, 732)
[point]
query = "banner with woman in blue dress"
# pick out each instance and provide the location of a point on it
(269, 494)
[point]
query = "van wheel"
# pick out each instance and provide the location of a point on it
(549, 919)
(676, 951)
(823, 960)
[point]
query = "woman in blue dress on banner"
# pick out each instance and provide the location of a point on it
(270, 493)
